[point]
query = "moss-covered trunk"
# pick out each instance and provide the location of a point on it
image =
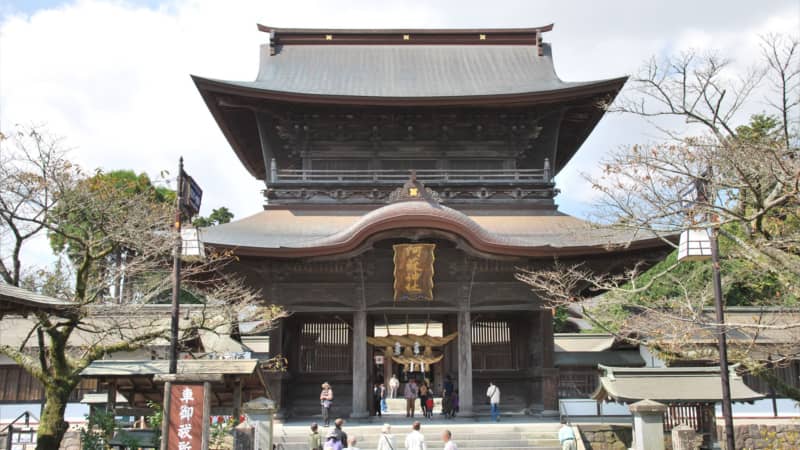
(51, 424)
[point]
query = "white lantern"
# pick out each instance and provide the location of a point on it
(695, 245)
(192, 246)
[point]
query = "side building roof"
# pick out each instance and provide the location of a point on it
(669, 384)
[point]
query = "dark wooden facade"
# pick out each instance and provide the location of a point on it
(335, 124)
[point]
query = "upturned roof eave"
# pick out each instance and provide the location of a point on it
(570, 92)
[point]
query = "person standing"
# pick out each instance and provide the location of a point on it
(423, 398)
(314, 439)
(352, 443)
(454, 403)
(415, 440)
(332, 442)
(386, 440)
(394, 385)
(447, 392)
(376, 399)
(566, 436)
(447, 438)
(494, 400)
(326, 400)
(410, 393)
(339, 422)
(384, 406)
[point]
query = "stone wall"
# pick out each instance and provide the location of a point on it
(763, 437)
(606, 437)
(71, 441)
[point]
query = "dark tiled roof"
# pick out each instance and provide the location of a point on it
(625, 358)
(18, 301)
(408, 71)
(670, 384)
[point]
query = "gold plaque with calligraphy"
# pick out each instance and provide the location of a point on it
(413, 271)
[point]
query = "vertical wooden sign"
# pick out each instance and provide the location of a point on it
(186, 414)
(413, 271)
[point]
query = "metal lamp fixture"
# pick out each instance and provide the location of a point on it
(191, 245)
(695, 245)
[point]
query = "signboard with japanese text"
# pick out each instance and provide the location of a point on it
(191, 196)
(186, 417)
(413, 271)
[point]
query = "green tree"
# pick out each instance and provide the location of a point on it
(89, 218)
(218, 216)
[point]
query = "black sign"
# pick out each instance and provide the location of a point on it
(191, 196)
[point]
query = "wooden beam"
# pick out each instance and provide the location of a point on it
(190, 378)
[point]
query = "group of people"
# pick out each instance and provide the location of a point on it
(412, 391)
(423, 391)
(337, 439)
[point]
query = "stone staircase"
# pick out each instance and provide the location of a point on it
(467, 434)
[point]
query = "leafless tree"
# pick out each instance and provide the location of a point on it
(740, 175)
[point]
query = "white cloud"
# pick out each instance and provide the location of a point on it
(114, 77)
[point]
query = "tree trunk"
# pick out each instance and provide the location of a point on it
(52, 425)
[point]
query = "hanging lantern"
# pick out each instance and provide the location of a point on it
(695, 245)
(192, 246)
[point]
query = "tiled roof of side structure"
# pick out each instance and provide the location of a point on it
(19, 301)
(302, 229)
(410, 71)
(670, 384)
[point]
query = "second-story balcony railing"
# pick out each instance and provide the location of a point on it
(427, 176)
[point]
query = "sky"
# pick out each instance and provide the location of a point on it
(112, 77)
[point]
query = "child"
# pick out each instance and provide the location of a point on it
(314, 439)
(454, 403)
(429, 404)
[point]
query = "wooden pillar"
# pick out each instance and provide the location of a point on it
(205, 438)
(279, 347)
(450, 350)
(237, 397)
(549, 373)
(165, 419)
(111, 399)
(360, 378)
(464, 363)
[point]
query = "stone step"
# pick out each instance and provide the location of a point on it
(304, 446)
(469, 436)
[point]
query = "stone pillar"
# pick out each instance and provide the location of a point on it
(259, 413)
(648, 425)
(360, 405)
(243, 437)
(464, 364)
(684, 438)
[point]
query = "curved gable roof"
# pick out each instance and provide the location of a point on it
(299, 233)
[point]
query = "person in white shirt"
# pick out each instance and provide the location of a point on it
(494, 399)
(352, 443)
(566, 436)
(394, 384)
(386, 440)
(415, 440)
(447, 438)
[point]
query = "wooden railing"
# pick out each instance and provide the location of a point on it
(428, 176)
